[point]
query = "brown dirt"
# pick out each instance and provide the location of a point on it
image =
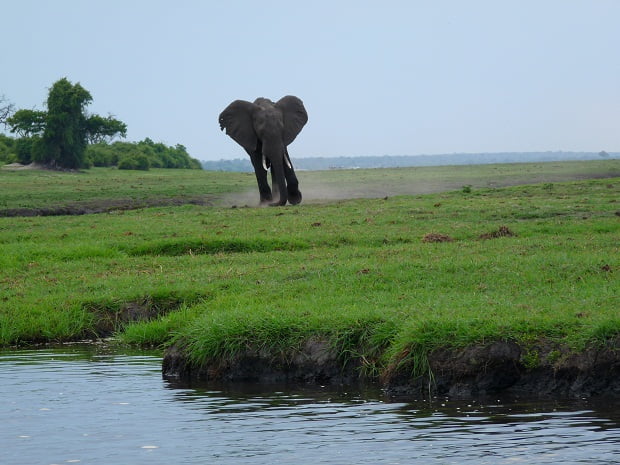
(503, 231)
(106, 205)
(111, 316)
(39, 167)
(544, 370)
(436, 237)
(315, 363)
(31, 166)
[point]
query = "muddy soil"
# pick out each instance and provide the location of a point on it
(112, 316)
(544, 370)
(315, 363)
(106, 205)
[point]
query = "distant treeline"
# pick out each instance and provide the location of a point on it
(124, 155)
(140, 155)
(397, 161)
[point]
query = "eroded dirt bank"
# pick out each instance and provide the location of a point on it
(105, 206)
(499, 367)
(542, 370)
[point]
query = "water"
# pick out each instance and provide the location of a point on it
(91, 406)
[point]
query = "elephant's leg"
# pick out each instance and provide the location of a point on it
(292, 184)
(261, 176)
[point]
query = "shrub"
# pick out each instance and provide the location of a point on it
(24, 148)
(134, 162)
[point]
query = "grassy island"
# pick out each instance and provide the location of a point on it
(382, 282)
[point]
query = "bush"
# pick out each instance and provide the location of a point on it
(134, 162)
(158, 155)
(7, 150)
(101, 155)
(25, 147)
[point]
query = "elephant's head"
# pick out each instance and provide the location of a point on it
(264, 129)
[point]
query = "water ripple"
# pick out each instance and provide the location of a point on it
(85, 405)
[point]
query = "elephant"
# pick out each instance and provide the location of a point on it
(265, 129)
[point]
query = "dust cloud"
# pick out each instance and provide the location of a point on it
(316, 191)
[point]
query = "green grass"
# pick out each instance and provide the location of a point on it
(355, 273)
(36, 189)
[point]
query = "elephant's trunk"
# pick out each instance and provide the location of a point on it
(287, 160)
(275, 154)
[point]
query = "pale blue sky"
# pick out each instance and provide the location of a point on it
(389, 77)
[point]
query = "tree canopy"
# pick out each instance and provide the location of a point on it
(60, 135)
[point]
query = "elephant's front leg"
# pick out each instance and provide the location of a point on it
(261, 176)
(292, 184)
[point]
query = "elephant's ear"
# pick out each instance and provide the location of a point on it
(295, 117)
(237, 120)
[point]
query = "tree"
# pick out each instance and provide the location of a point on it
(27, 123)
(65, 128)
(100, 129)
(6, 109)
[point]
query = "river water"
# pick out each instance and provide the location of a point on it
(90, 405)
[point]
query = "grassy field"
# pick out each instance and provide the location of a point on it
(111, 189)
(385, 278)
(39, 189)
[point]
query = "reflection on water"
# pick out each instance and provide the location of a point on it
(87, 405)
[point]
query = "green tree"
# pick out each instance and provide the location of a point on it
(27, 122)
(100, 129)
(65, 128)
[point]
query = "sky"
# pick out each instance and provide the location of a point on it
(383, 77)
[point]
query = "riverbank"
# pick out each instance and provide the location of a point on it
(386, 283)
(535, 370)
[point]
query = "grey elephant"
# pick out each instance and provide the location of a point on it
(265, 129)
